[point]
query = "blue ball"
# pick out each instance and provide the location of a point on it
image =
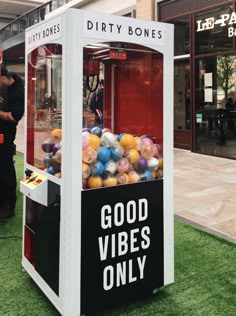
(116, 152)
(51, 170)
(97, 168)
(104, 154)
(96, 131)
(120, 136)
(148, 175)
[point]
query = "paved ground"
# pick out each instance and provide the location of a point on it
(204, 190)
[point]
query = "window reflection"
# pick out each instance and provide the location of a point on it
(216, 105)
(214, 39)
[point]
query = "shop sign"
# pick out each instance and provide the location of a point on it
(198, 117)
(44, 33)
(122, 243)
(224, 20)
(116, 28)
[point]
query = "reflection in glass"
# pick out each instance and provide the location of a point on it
(44, 108)
(215, 38)
(216, 105)
(182, 96)
(182, 36)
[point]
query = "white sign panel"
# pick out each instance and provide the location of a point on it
(208, 95)
(47, 32)
(208, 79)
(115, 28)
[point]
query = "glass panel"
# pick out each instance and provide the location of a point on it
(216, 105)
(182, 96)
(212, 36)
(44, 108)
(123, 114)
(182, 36)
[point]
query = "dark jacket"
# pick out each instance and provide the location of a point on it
(15, 105)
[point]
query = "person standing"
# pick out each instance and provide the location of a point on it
(10, 115)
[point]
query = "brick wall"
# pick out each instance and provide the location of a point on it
(145, 9)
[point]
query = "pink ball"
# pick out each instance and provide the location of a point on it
(84, 142)
(122, 165)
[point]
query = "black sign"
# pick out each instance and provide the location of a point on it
(122, 244)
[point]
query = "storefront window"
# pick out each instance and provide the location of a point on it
(213, 31)
(216, 105)
(182, 96)
(182, 41)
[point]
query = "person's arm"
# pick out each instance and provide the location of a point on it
(7, 116)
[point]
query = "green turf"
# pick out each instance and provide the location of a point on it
(205, 276)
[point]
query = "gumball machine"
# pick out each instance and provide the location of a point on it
(98, 183)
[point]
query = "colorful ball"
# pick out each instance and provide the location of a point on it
(160, 160)
(122, 165)
(117, 152)
(106, 130)
(57, 134)
(56, 147)
(110, 181)
(142, 164)
(148, 174)
(147, 151)
(153, 164)
(146, 141)
(57, 156)
(86, 134)
(132, 155)
(127, 141)
(96, 131)
(51, 170)
(107, 139)
(103, 154)
(47, 160)
(159, 173)
(97, 168)
(85, 142)
(122, 178)
(95, 182)
(89, 155)
(85, 171)
(58, 174)
(94, 141)
(137, 143)
(133, 177)
(55, 164)
(120, 136)
(47, 146)
(110, 166)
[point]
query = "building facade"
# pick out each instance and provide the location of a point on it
(204, 74)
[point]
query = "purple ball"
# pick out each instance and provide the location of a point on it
(48, 145)
(142, 164)
(55, 148)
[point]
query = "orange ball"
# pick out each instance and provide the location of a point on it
(94, 141)
(132, 155)
(160, 163)
(110, 182)
(95, 182)
(127, 141)
(56, 134)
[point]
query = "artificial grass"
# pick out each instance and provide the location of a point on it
(205, 276)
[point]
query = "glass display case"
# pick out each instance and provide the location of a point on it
(98, 185)
(44, 106)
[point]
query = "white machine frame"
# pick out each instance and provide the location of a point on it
(73, 36)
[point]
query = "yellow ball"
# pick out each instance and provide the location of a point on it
(57, 134)
(127, 141)
(110, 182)
(94, 141)
(160, 160)
(137, 143)
(132, 155)
(94, 182)
(154, 174)
(133, 177)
